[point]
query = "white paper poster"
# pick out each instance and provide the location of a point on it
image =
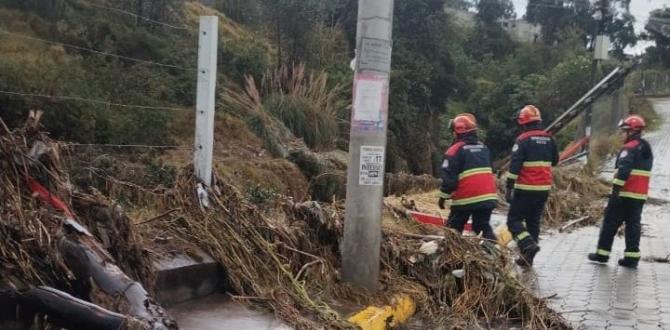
(368, 103)
(375, 55)
(372, 166)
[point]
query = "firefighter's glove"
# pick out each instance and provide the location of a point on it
(615, 197)
(509, 191)
(440, 203)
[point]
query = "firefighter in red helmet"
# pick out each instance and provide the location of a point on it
(529, 181)
(467, 179)
(629, 193)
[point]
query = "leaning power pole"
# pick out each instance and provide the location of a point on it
(367, 144)
(600, 45)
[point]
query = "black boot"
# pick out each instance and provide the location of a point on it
(528, 249)
(629, 262)
(598, 258)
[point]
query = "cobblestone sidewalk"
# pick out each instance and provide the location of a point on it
(596, 296)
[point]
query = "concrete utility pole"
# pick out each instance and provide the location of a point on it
(600, 45)
(367, 144)
(204, 115)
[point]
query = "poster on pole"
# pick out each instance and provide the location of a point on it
(371, 172)
(375, 55)
(370, 103)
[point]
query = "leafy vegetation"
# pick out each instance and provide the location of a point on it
(660, 52)
(67, 61)
(287, 61)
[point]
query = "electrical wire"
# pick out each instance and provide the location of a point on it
(81, 99)
(147, 19)
(19, 35)
(127, 146)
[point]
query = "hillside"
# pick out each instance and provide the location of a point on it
(96, 145)
(278, 74)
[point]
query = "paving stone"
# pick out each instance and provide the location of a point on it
(624, 315)
(644, 311)
(655, 326)
(616, 327)
(617, 298)
(591, 324)
(624, 306)
(623, 323)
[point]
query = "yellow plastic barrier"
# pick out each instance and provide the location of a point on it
(382, 318)
(503, 234)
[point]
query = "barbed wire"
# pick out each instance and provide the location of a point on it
(144, 18)
(81, 99)
(137, 60)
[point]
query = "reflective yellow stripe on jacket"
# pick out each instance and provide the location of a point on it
(474, 171)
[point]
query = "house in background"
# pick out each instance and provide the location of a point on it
(519, 30)
(522, 31)
(462, 18)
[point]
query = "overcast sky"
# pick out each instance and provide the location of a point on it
(639, 8)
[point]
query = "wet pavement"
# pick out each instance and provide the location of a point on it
(594, 296)
(218, 311)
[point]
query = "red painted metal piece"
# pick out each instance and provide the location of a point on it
(573, 148)
(37, 189)
(436, 220)
(426, 218)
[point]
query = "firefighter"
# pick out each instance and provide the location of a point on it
(467, 179)
(629, 193)
(529, 181)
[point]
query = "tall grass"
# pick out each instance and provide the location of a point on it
(289, 96)
(246, 103)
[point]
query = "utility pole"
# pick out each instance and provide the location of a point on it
(367, 144)
(600, 45)
(204, 109)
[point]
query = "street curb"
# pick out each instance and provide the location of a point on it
(385, 317)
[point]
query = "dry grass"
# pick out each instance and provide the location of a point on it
(284, 257)
(32, 231)
(602, 147)
(402, 183)
(302, 102)
(577, 193)
(287, 261)
(27, 230)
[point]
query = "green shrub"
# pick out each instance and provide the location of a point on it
(261, 195)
